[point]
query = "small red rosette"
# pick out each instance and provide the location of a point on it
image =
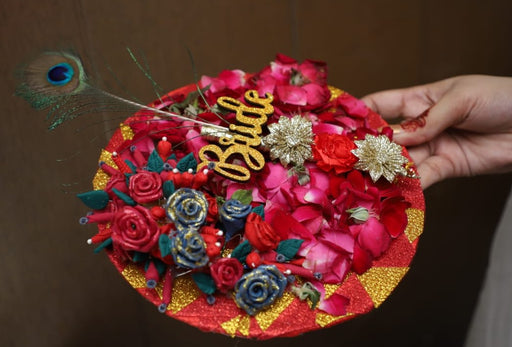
(226, 272)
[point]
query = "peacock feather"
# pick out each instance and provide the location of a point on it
(57, 81)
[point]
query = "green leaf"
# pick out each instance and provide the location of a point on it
(243, 195)
(204, 282)
(289, 248)
(131, 165)
(187, 162)
(168, 188)
(155, 163)
(190, 99)
(164, 244)
(307, 291)
(104, 244)
(241, 251)
(95, 199)
(220, 200)
(127, 178)
(259, 210)
(139, 257)
(160, 266)
(126, 198)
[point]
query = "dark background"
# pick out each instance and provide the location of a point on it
(55, 292)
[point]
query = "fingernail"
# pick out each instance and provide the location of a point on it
(397, 130)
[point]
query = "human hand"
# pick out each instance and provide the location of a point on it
(461, 126)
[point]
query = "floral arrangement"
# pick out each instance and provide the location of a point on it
(274, 184)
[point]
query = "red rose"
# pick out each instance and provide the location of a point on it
(226, 272)
(145, 187)
(260, 234)
(134, 229)
(117, 181)
(332, 151)
(213, 210)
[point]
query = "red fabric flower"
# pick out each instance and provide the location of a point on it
(226, 272)
(117, 181)
(134, 229)
(213, 239)
(213, 209)
(145, 187)
(260, 234)
(333, 152)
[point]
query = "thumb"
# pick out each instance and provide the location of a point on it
(427, 125)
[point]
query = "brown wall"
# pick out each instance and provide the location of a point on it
(55, 292)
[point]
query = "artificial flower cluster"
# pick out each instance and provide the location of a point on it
(324, 204)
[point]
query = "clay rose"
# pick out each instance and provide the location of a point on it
(145, 187)
(260, 234)
(333, 152)
(259, 288)
(188, 250)
(226, 272)
(187, 208)
(213, 209)
(117, 181)
(232, 216)
(134, 229)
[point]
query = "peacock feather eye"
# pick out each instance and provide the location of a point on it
(60, 74)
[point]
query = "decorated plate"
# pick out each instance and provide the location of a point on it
(258, 205)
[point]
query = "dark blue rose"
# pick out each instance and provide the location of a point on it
(189, 249)
(259, 288)
(233, 215)
(187, 208)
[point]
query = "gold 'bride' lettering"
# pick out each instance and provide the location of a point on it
(245, 136)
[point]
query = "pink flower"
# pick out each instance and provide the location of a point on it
(228, 83)
(295, 86)
(227, 79)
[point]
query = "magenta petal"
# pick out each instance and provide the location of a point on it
(315, 196)
(315, 225)
(233, 78)
(335, 305)
(292, 95)
(316, 94)
(327, 128)
(277, 176)
(338, 271)
(266, 84)
(307, 212)
(319, 178)
(319, 258)
(373, 237)
(215, 84)
(338, 240)
(195, 141)
(352, 106)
